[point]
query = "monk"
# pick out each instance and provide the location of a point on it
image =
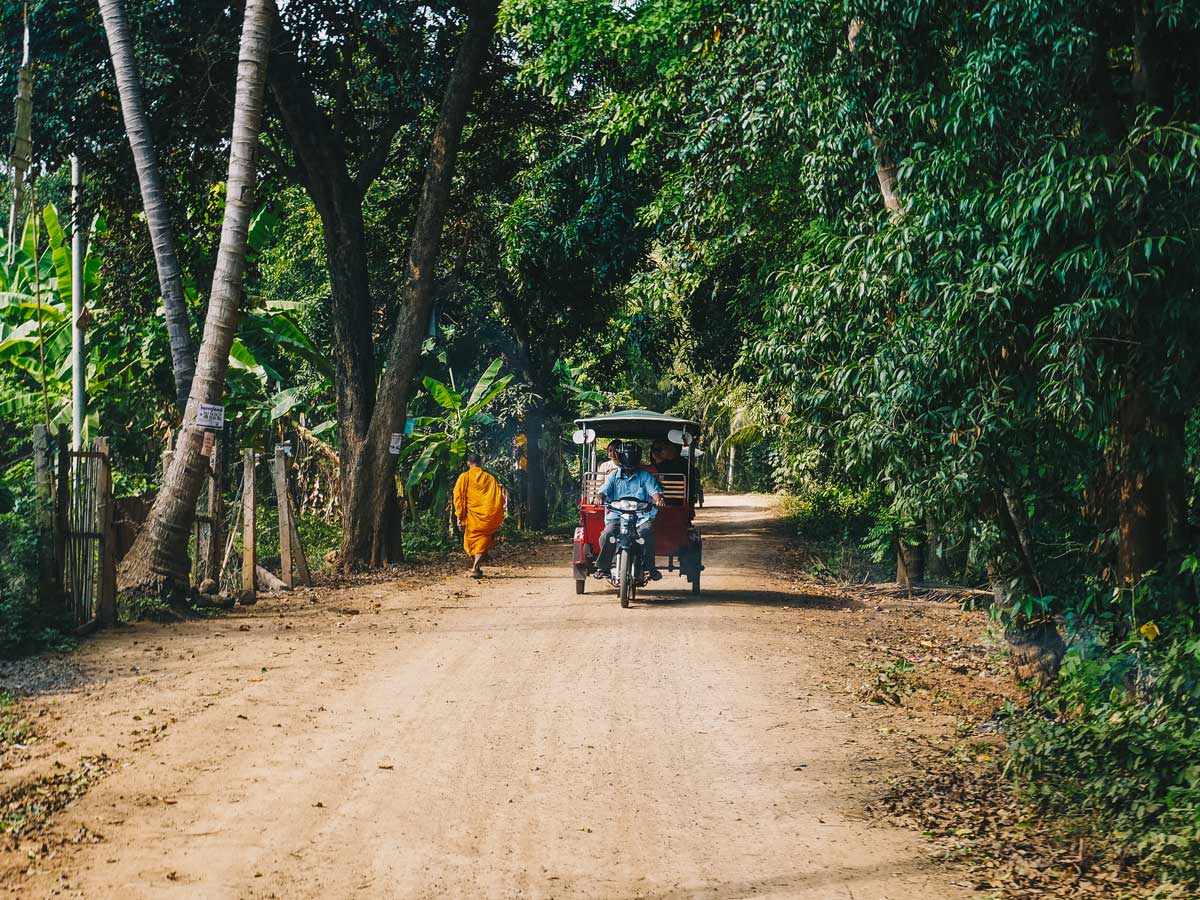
(479, 506)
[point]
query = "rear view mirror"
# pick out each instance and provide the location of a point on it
(679, 436)
(584, 436)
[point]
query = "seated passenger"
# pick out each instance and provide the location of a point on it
(611, 463)
(668, 460)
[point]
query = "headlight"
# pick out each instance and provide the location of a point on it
(625, 505)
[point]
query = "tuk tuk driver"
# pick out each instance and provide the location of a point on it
(630, 480)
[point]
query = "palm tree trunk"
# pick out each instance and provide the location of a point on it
(162, 234)
(370, 489)
(158, 561)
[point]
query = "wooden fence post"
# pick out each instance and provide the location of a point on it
(298, 555)
(249, 559)
(106, 599)
(216, 517)
(279, 470)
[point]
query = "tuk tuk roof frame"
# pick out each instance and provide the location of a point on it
(637, 423)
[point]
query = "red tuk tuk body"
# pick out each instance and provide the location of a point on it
(676, 536)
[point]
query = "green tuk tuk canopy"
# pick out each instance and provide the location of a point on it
(637, 423)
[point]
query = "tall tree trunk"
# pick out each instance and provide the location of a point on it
(1142, 448)
(353, 352)
(1036, 647)
(535, 473)
(885, 166)
(370, 489)
(537, 363)
(158, 561)
(910, 562)
(324, 171)
(158, 218)
(937, 565)
(1141, 490)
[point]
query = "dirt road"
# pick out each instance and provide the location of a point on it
(498, 739)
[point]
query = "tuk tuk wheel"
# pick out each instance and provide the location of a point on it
(580, 584)
(626, 586)
(695, 580)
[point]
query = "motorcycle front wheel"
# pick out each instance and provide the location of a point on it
(625, 585)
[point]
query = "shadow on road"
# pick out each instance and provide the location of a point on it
(744, 597)
(868, 875)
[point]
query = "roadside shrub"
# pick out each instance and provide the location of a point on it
(1118, 744)
(321, 538)
(822, 511)
(23, 623)
(427, 532)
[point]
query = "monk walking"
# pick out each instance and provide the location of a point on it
(479, 506)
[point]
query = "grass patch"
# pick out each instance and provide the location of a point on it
(15, 729)
(141, 607)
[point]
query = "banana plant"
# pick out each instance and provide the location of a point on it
(439, 442)
(268, 336)
(35, 314)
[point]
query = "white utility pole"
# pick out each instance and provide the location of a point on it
(78, 363)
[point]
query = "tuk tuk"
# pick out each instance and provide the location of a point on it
(676, 536)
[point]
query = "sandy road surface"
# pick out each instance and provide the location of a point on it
(500, 739)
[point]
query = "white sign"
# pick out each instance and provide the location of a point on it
(210, 416)
(394, 446)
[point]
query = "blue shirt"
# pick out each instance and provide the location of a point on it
(639, 483)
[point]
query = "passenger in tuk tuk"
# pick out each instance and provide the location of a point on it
(667, 459)
(611, 463)
(630, 480)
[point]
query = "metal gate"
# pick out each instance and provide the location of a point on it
(89, 569)
(79, 574)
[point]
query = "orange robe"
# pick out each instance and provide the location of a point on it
(479, 504)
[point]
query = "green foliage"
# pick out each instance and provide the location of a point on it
(437, 450)
(428, 532)
(35, 328)
(823, 511)
(321, 539)
(14, 727)
(25, 623)
(891, 684)
(145, 608)
(1120, 738)
(676, 204)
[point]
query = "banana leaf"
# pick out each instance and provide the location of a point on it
(442, 395)
(484, 384)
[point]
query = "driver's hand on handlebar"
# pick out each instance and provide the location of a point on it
(659, 501)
